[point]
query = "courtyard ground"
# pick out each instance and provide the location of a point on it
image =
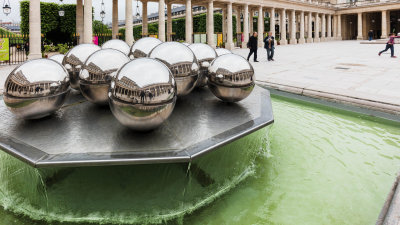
(341, 71)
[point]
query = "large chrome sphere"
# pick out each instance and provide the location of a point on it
(75, 58)
(97, 72)
(118, 45)
(58, 58)
(222, 51)
(36, 88)
(143, 94)
(143, 47)
(231, 77)
(205, 54)
(182, 63)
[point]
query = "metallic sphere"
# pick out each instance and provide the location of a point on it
(182, 63)
(143, 47)
(75, 58)
(58, 58)
(143, 94)
(231, 77)
(118, 45)
(97, 73)
(222, 51)
(205, 54)
(36, 88)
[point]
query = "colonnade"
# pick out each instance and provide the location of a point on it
(297, 25)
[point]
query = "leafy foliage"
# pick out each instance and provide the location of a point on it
(100, 28)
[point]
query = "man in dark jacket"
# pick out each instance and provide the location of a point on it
(252, 45)
(269, 45)
(370, 35)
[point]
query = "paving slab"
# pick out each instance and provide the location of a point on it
(340, 71)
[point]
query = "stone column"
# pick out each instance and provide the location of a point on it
(188, 22)
(114, 19)
(339, 27)
(128, 23)
(359, 27)
(251, 24)
(87, 22)
(224, 17)
(384, 24)
(161, 20)
(169, 22)
(329, 33)
(145, 24)
(272, 21)
(229, 36)
(35, 36)
(302, 25)
(260, 26)
(238, 27)
(210, 24)
(245, 25)
(283, 27)
(334, 27)
(79, 20)
(293, 29)
(316, 28)
(323, 26)
(309, 31)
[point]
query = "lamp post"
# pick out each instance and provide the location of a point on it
(102, 16)
(61, 12)
(6, 7)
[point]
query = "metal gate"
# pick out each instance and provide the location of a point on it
(14, 48)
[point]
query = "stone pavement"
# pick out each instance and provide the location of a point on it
(340, 71)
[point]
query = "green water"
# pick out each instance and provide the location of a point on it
(323, 166)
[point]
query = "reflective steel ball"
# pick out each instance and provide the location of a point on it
(143, 47)
(231, 78)
(143, 94)
(97, 72)
(36, 88)
(58, 58)
(75, 58)
(222, 51)
(204, 54)
(118, 45)
(182, 63)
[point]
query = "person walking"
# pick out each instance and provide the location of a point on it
(269, 44)
(390, 45)
(252, 45)
(370, 35)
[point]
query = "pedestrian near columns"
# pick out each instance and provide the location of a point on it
(270, 46)
(390, 45)
(370, 35)
(253, 46)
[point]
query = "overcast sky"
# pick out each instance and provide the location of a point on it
(15, 17)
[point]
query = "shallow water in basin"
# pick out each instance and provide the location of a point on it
(324, 166)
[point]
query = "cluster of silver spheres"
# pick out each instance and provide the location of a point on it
(141, 83)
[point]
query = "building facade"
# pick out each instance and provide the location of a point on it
(295, 21)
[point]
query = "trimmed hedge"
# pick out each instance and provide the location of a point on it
(178, 26)
(199, 26)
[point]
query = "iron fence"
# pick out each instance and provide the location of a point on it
(14, 48)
